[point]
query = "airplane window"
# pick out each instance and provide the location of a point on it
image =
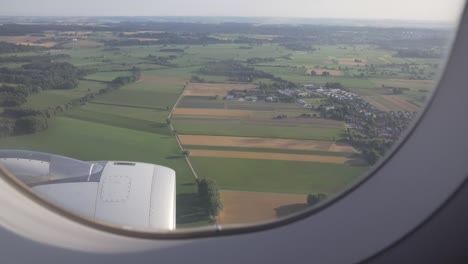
(147, 116)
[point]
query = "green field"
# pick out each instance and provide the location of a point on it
(143, 95)
(245, 128)
(207, 102)
(107, 76)
(126, 124)
(277, 176)
(93, 141)
(125, 117)
(52, 98)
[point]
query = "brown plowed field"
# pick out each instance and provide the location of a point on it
(270, 156)
(213, 89)
(252, 207)
(212, 112)
(27, 40)
(20, 39)
(161, 80)
(391, 103)
(401, 103)
(320, 71)
(373, 100)
(254, 142)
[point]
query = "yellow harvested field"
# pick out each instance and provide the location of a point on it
(254, 207)
(213, 89)
(83, 43)
(20, 39)
(129, 33)
(341, 147)
(212, 112)
(348, 61)
(254, 142)
(75, 33)
(270, 156)
(43, 44)
(266, 37)
(320, 72)
(352, 61)
(28, 40)
(145, 39)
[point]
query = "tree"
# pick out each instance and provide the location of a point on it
(313, 73)
(209, 196)
(7, 127)
(325, 73)
(30, 124)
(371, 156)
(313, 199)
(185, 152)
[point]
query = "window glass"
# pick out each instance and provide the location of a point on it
(169, 115)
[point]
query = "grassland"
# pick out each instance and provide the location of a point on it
(143, 95)
(209, 102)
(94, 141)
(277, 176)
(106, 76)
(54, 98)
(230, 127)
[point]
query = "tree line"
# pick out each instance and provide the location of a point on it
(124, 80)
(18, 121)
(35, 58)
(161, 60)
(6, 47)
(43, 75)
(419, 53)
(35, 77)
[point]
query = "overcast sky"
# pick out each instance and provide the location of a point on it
(446, 10)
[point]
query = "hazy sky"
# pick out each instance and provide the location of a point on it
(369, 9)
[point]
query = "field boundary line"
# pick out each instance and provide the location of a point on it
(177, 136)
(227, 190)
(271, 156)
(129, 106)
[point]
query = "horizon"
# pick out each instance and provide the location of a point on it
(418, 10)
(227, 16)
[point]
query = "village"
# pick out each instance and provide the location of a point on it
(369, 129)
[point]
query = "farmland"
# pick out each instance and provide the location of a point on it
(277, 176)
(213, 89)
(253, 207)
(233, 127)
(270, 113)
(250, 142)
(391, 103)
